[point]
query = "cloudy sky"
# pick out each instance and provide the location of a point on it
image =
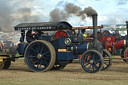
(109, 11)
(13, 12)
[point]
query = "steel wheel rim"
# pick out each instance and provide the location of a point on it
(126, 53)
(107, 60)
(91, 62)
(33, 60)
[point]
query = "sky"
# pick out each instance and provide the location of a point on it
(13, 12)
(109, 11)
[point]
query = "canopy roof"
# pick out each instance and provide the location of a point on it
(86, 27)
(44, 26)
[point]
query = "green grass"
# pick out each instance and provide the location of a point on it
(64, 82)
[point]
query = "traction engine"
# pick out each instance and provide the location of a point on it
(55, 51)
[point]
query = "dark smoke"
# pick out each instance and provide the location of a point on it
(88, 11)
(13, 12)
(71, 10)
(57, 15)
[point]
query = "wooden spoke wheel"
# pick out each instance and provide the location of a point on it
(107, 60)
(40, 55)
(91, 61)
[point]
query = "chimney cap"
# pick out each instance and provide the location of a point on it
(126, 22)
(95, 14)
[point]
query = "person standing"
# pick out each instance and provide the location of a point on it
(1, 47)
(13, 50)
(84, 35)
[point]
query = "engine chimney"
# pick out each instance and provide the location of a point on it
(127, 28)
(94, 17)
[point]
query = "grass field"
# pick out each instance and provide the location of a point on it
(72, 74)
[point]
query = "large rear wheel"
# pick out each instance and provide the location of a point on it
(40, 55)
(91, 61)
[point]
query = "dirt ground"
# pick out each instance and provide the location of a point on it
(19, 72)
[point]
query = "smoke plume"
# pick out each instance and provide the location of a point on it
(71, 10)
(14, 11)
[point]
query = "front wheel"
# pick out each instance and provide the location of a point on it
(91, 61)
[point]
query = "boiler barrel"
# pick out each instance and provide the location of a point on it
(79, 49)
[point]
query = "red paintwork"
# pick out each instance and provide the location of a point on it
(60, 34)
(119, 44)
(109, 42)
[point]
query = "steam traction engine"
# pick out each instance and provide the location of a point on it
(114, 43)
(55, 51)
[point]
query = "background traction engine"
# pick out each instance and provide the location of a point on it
(114, 43)
(55, 51)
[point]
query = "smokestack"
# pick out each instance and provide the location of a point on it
(127, 28)
(94, 17)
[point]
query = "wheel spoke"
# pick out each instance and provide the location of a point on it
(33, 59)
(32, 56)
(105, 63)
(35, 62)
(86, 64)
(37, 50)
(93, 56)
(40, 65)
(45, 58)
(95, 66)
(97, 61)
(38, 46)
(37, 65)
(88, 58)
(45, 53)
(34, 50)
(89, 67)
(45, 63)
(42, 48)
(42, 61)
